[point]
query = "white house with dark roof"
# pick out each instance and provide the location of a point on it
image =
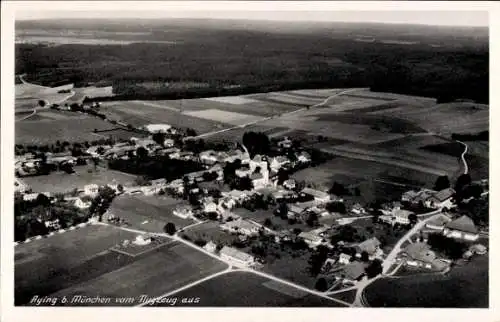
(278, 162)
(318, 195)
(371, 247)
(441, 199)
(461, 228)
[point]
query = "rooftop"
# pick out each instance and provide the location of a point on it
(315, 193)
(421, 252)
(370, 245)
(234, 253)
(354, 270)
(444, 194)
(464, 224)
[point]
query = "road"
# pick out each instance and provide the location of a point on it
(324, 102)
(466, 167)
(230, 267)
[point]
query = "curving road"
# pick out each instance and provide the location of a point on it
(466, 148)
(324, 102)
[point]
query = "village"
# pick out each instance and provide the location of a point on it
(251, 197)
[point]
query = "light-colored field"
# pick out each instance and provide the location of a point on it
(209, 231)
(150, 213)
(63, 182)
(232, 118)
(56, 126)
(235, 100)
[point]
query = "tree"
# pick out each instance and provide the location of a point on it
(321, 284)
(42, 200)
(413, 219)
(364, 256)
(442, 182)
(120, 188)
(282, 210)
(336, 206)
(190, 132)
(338, 189)
(141, 153)
(317, 259)
(312, 219)
(268, 222)
(170, 228)
(41, 103)
(159, 138)
(282, 176)
(375, 268)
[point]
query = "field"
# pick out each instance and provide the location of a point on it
(347, 296)
(241, 289)
(209, 231)
(463, 287)
(63, 182)
(81, 262)
(48, 127)
(150, 213)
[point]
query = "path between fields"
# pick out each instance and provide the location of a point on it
(228, 269)
(466, 148)
(325, 101)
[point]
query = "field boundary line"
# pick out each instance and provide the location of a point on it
(53, 233)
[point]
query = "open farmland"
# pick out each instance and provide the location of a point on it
(62, 126)
(65, 259)
(209, 231)
(62, 182)
(153, 274)
(464, 287)
(150, 213)
(139, 114)
(445, 118)
(242, 289)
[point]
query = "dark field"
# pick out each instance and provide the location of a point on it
(81, 262)
(242, 289)
(463, 287)
(347, 296)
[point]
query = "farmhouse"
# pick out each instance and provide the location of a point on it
(210, 206)
(155, 128)
(210, 247)
(358, 209)
(416, 197)
(344, 258)
(289, 184)
(311, 239)
(371, 247)
(278, 162)
(30, 196)
(396, 216)
(259, 180)
(419, 255)
(462, 228)
(241, 226)
(183, 212)
(353, 272)
(80, 204)
(236, 257)
(208, 157)
(319, 196)
(91, 190)
(304, 157)
(286, 143)
(441, 199)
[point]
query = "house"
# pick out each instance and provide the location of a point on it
(311, 239)
(208, 157)
(286, 143)
(441, 199)
(210, 247)
(461, 228)
(353, 272)
(297, 209)
(278, 162)
(156, 128)
(419, 255)
(30, 196)
(438, 223)
(259, 180)
(237, 154)
(91, 190)
(358, 209)
(183, 211)
(478, 249)
(304, 157)
(416, 197)
(226, 203)
(319, 196)
(236, 195)
(80, 204)
(344, 258)
(371, 247)
(53, 224)
(244, 171)
(150, 190)
(168, 143)
(241, 226)
(289, 184)
(162, 182)
(236, 257)
(141, 240)
(210, 207)
(258, 161)
(396, 216)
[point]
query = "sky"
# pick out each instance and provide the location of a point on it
(274, 12)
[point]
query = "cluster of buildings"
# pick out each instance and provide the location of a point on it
(430, 198)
